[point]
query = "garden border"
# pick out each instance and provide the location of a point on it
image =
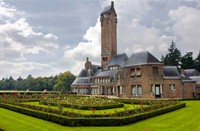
(108, 121)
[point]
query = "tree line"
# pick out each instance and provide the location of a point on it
(59, 82)
(175, 58)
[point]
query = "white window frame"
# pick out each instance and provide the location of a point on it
(172, 87)
(136, 90)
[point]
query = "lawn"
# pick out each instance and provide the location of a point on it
(186, 119)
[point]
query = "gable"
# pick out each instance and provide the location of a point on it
(141, 58)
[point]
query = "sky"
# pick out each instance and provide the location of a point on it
(47, 37)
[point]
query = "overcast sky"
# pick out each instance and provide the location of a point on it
(46, 37)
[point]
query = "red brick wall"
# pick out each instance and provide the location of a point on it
(188, 90)
(177, 93)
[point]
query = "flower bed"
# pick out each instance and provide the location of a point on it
(83, 103)
(53, 108)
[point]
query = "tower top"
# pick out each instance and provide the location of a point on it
(109, 8)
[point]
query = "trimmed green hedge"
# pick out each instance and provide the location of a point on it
(103, 121)
(85, 107)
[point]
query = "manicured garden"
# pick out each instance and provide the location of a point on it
(71, 110)
(185, 119)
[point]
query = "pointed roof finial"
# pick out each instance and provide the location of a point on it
(112, 3)
(87, 59)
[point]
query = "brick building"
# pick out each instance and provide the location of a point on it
(140, 76)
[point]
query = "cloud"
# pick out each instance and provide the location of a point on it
(19, 43)
(187, 28)
(23, 68)
(8, 11)
(90, 48)
(19, 39)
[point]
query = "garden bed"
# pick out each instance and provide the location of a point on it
(103, 121)
(60, 109)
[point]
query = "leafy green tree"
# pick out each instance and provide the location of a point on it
(187, 61)
(64, 81)
(173, 57)
(39, 83)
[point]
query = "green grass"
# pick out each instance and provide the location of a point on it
(185, 119)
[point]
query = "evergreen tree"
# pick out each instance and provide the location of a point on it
(197, 62)
(173, 57)
(187, 61)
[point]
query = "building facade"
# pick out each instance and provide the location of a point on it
(140, 76)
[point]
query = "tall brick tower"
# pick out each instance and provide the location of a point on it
(108, 34)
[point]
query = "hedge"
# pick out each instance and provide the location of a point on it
(103, 121)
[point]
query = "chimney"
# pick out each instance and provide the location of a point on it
(88, 64)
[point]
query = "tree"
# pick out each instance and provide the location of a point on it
(197, 62)
(64, 81)
(187, 61)
(173, 57)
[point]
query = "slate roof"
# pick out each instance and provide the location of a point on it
(109, 9)
(170, 72)
(191, 75)
(86, 73)
(141, 58)
(107, 73)
(195, 78)
(191, 72)
(81, 81)
(84, 76)
(110, 73)
(118, 60)
(187, 80)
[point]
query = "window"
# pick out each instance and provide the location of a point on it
(114, 89)
(105, 58)
(153, 89)
(94, 90)
(172, 87)
(138, 72)
(134, 90)
(135, 72)
(137, 90)
(109, 90)
(121, 89)
(113, 67)
(100, 80)
(155, 70)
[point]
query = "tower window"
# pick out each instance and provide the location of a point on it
(105, 59)
(155, 70)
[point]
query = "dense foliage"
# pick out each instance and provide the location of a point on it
(174, 58)
(39, 83)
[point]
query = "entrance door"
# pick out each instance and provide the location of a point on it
(157, 91)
